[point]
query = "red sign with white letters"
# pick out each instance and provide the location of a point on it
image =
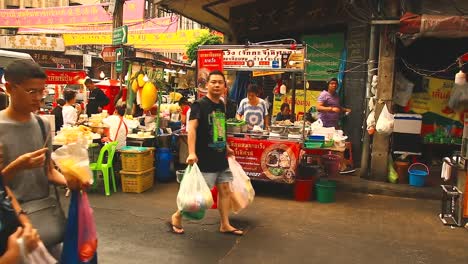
(64, 76)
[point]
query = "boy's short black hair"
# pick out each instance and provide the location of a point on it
(121, 109)
(216, 72)
(69, 95)
(61, 102)
(23, 70)
(88, 81)
(252, 89)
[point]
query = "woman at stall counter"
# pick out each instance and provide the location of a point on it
(285, 113)
(329, 105)
(70, 110)
(253, 109)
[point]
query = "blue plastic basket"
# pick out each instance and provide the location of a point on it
(417, 177)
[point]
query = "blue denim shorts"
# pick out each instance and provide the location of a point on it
(218, 177)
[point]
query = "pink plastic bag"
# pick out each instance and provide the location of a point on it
(87, 236)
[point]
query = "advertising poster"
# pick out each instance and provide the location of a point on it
(208, 60)
(309, 100)
(254, 59)
(64, 77)
(267, 160)
(433, 102)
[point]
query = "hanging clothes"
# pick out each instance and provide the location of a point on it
(239, 87)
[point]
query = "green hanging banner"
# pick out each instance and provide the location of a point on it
(324, 52)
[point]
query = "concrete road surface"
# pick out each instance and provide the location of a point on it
(357, 229)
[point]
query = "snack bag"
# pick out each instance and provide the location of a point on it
(73, 162)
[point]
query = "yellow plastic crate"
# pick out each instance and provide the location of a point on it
(137, 161)
(137, 182)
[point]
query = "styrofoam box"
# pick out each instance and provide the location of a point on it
(408, 123)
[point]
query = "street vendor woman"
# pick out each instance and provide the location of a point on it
(253, 109)
(328, 105)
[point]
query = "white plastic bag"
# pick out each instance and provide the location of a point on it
(194, 194)
(403, 90)
(371, 120)
(73, 161)
(316, 124)
(40, 255)
(385, 122)
(242, 191)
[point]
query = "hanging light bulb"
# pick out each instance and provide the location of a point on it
(145, 78)
(102, 75)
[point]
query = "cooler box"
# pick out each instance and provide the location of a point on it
(406, 135)
(407, 124)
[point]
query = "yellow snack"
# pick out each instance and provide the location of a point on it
(71, 170)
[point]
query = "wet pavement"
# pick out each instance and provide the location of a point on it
(358, 228)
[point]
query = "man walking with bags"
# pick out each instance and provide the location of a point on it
(207, 147)
(27, 137)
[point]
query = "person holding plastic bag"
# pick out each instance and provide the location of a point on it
(25, 135)
(208, 149)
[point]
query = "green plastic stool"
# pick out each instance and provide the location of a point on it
(105, 168)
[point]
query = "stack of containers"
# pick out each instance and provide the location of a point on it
(137, 172)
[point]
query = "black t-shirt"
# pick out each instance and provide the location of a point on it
(210, 144)
(97, 98)
(57, 112)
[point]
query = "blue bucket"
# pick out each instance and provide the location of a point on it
(417, 177)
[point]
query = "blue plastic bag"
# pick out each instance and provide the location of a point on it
(70, 243)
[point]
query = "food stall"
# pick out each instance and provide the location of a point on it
(272, 155)
(264, 155)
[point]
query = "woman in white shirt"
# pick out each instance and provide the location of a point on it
(118, 129)
(69, 112)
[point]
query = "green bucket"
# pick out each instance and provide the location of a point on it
(326, 191)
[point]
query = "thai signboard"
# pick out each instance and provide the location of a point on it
(324, 53)
(163, 42)
(28, 42)
(252, 58)
(69, 15)
(267, 160)
(64, 77)
(155, 25)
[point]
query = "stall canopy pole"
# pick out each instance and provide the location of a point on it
(364, 172)
(305, 93)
